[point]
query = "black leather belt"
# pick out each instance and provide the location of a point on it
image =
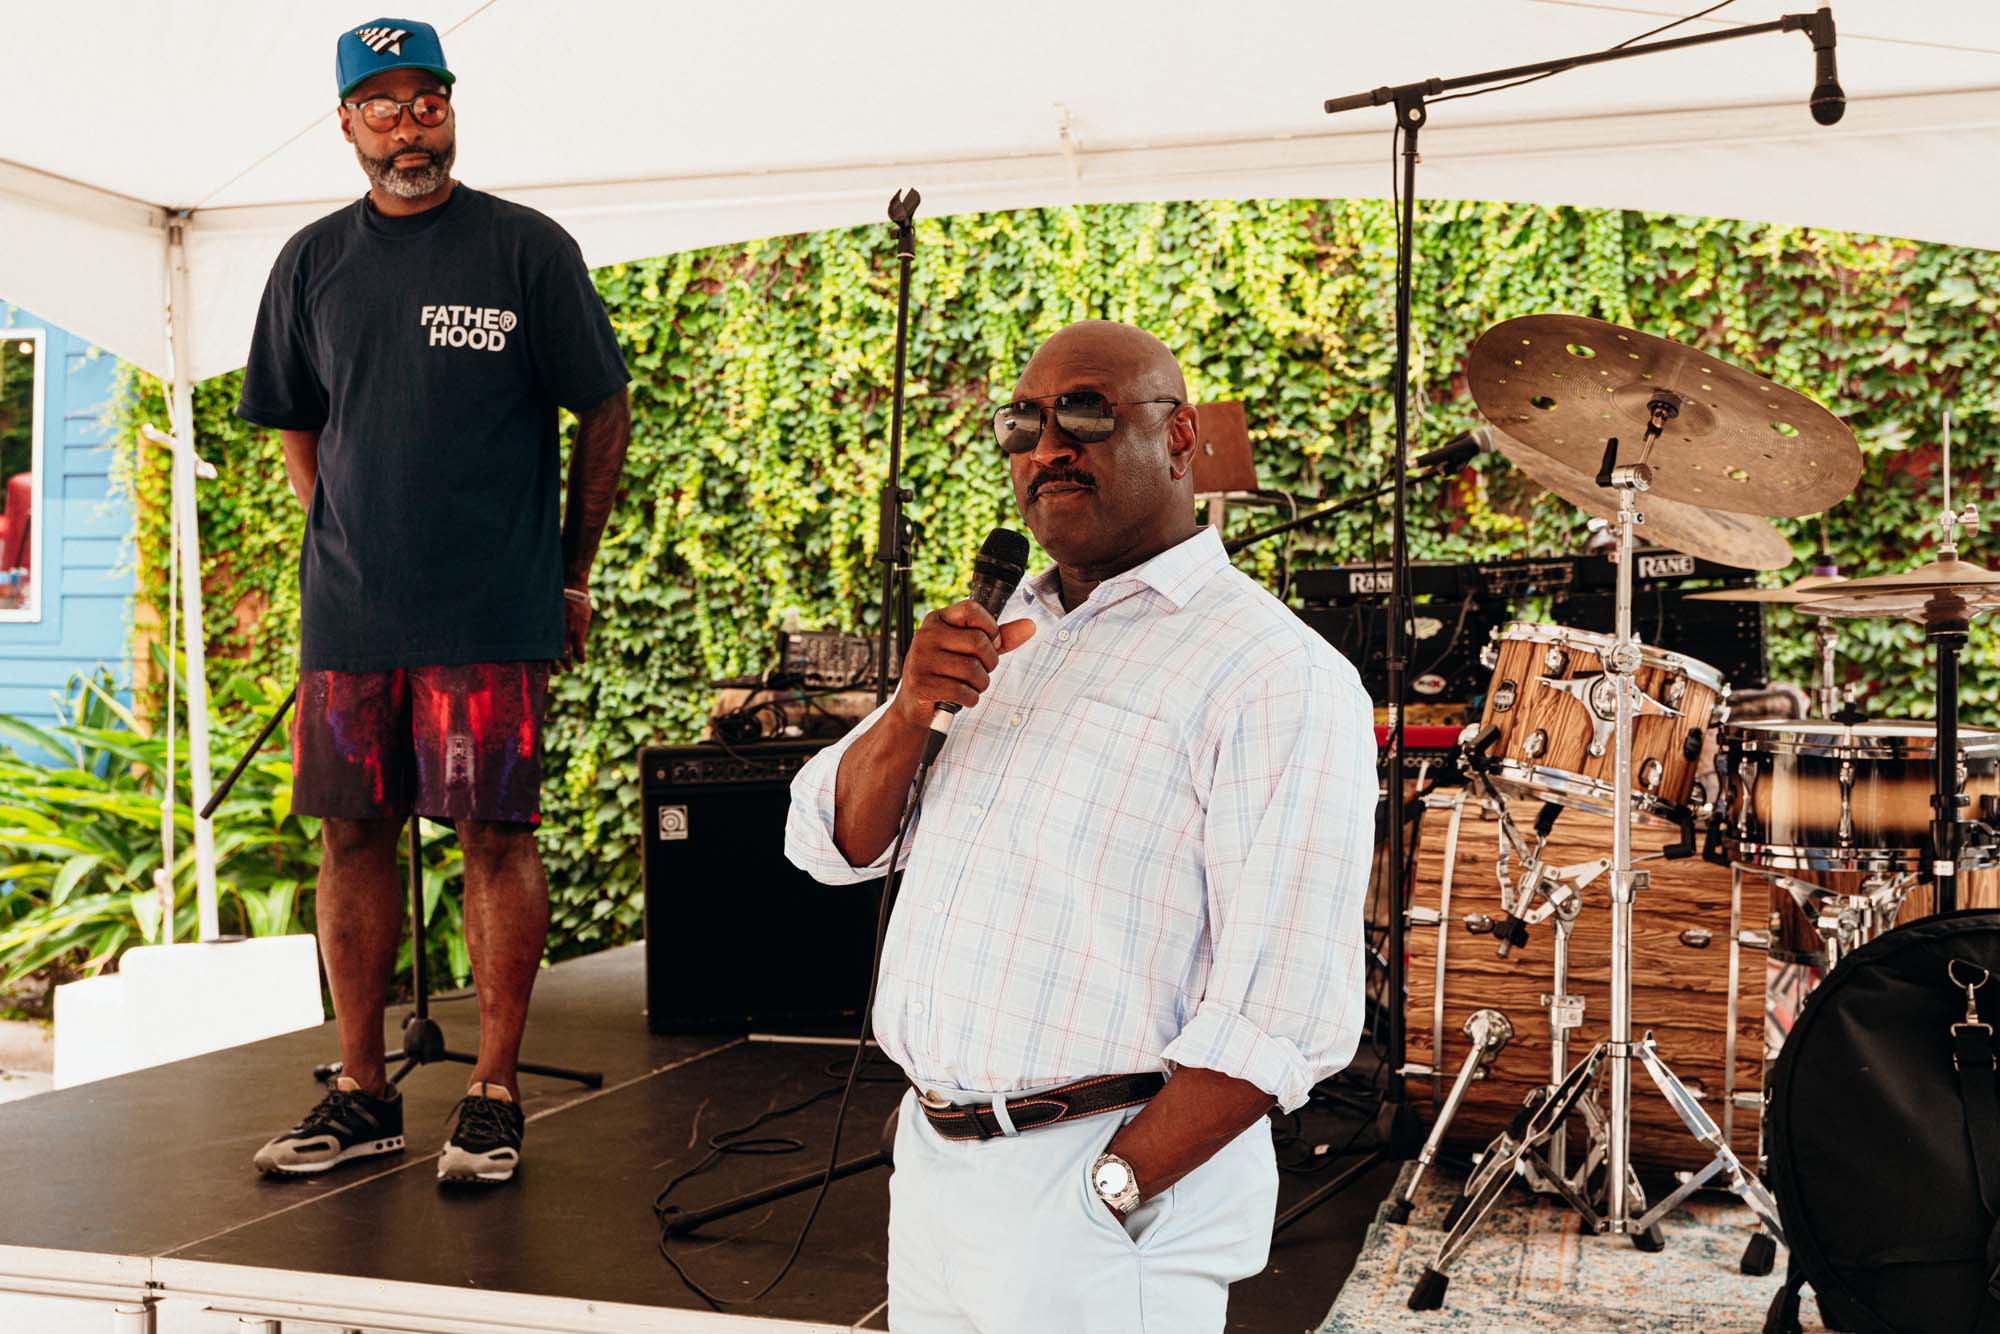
(1086, 1097)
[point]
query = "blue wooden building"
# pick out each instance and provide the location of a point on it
(65, 563)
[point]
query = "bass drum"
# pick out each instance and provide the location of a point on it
(1692, 987)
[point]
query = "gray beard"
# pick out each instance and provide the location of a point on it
(408, 182)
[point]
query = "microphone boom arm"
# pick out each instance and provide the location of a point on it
(1813, 25)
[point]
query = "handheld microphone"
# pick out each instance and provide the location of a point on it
(1828, 101)
(996, 573)
(1449, 458)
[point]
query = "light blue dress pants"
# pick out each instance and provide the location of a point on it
(1006, 1236)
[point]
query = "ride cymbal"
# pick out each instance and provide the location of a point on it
(1563, 384)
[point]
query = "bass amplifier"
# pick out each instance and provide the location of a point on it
(736, 936)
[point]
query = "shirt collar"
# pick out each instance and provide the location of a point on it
(1176, 574)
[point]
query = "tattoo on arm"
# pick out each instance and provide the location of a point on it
(595, 462)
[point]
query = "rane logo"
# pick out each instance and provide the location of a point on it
(1665, 567)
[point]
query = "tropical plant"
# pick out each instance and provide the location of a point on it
(81, 815)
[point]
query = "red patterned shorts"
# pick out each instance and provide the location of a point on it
(459, 742)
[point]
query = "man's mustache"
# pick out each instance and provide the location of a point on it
(1071, 476)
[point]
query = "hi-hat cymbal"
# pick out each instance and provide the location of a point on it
(1727, 539)
(1908, 593)
(1564, 384)
(1797, 593)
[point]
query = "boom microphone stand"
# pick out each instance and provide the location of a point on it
(1411, 103)
(1396, 1129)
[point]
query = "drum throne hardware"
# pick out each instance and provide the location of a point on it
(1555, 382)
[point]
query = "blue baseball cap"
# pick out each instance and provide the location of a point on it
(387, 44)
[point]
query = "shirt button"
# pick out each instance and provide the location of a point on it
(938, 906)
(1013, 720)
(1062, 636)
(916, 1007)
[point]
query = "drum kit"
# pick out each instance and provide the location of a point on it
(1854, 821)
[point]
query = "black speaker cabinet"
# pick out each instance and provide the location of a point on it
(736, 936)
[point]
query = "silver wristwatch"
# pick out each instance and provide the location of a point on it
(1113, 1180)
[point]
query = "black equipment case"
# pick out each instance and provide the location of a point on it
(1883, 1135)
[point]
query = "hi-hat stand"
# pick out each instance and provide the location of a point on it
(423, 1040)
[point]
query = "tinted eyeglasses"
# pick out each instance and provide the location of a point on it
(383, 114)
(1086, 416)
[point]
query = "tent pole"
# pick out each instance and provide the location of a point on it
(181, 407)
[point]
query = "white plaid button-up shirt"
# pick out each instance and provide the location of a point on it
(1148, 845)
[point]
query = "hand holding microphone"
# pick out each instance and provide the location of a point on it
(954, 651)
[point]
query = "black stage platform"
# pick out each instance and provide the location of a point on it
(140, 1187)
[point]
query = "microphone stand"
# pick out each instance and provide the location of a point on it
(892, 545)
(1411, 103)
(897, 615)
(1398, 1133)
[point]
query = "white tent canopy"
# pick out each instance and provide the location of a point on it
(650, 128)
(154, 154)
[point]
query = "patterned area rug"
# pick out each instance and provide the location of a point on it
(1528, 1269)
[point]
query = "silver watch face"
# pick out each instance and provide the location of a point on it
(1112, 1178)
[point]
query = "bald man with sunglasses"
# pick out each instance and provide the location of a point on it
(1131, 917)
(411, 352)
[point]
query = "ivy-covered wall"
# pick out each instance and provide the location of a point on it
(760, 411)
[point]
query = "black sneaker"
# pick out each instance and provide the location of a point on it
(348, 1123)
(485, 1148)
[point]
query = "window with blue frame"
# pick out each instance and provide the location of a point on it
(21, 374)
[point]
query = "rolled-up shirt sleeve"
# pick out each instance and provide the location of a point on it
(1289, 833)
(809, 841)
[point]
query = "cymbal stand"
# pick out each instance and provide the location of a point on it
(1945, 621)
(1828, 699)
(1521, 1149)
(1946, 617)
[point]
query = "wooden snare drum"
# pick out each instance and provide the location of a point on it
(1812, 795)
(1553, 704)
(1691, 987)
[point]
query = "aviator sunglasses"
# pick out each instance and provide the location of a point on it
(383, 114)
(1086, 416)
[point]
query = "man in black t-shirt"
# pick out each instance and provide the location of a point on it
(411, 352)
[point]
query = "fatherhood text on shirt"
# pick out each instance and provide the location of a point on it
(483, 327)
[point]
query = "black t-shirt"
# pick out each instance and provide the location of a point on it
(430, 353)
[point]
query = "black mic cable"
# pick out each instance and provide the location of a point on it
(1829, 103)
